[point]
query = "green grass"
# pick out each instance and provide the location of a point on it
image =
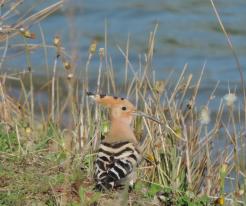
(26, 175)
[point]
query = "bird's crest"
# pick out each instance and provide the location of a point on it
(110, 101)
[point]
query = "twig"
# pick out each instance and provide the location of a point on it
(4, 52)
(53, 89)
(239, 67)
(187, 152)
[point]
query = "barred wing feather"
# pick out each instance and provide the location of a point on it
(115, 164)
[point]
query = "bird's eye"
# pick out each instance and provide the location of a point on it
(123, 108)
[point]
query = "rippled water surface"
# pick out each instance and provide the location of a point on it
(188, 32)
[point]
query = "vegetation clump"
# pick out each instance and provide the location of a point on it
(47, 152)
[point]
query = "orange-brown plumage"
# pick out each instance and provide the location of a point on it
(121, 116)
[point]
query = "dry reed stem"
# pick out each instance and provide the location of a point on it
(38, 16)
(127, 60)
(53, 89)
(4, 53)
(44, 45)
(239, 67)
(187, 153)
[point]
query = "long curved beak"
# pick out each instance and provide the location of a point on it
(142, 114)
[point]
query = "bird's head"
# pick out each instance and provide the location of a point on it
(121, 109)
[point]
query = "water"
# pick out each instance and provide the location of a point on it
(188, 32)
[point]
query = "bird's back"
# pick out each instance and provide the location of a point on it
(115, 164)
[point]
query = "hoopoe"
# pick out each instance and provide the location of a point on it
(118, 154)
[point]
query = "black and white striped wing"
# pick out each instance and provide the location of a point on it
(115, 163)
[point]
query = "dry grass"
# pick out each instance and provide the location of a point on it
(191, 158)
